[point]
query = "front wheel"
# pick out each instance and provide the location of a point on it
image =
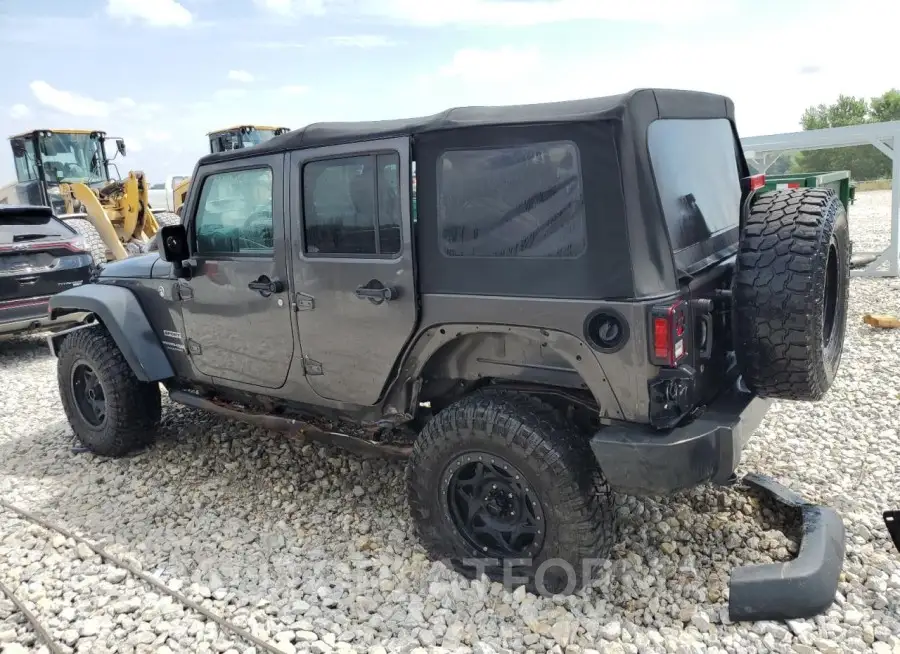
(500, 484)
(111, 411)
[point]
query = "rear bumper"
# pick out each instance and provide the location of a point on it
(31, 314)
(803, 587)
(640, 460)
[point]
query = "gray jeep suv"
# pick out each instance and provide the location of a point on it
(580, 297)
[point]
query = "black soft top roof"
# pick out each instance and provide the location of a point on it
(640, 104)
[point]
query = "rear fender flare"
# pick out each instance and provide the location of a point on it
(121, 313)
(574, 350)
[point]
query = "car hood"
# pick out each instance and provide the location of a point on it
(139, 267)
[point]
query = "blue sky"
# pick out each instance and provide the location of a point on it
(162, 73)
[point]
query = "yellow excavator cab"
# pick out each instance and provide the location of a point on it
(69, 171)
(223, 140)
(242, 136)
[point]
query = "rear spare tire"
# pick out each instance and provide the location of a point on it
(790, 293)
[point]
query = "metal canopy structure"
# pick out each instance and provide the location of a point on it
(763, 151)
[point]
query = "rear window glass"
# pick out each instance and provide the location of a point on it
(520, 201)
(696, 173)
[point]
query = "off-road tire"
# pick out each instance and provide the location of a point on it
(94, 242)
(133, 407)
(790, 293)
(558, 466)
(166, 218)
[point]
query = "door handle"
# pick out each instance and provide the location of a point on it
(266, 286)
(383, 294)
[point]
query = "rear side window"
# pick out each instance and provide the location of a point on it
(522, 201)
(351, 206)
(695, 167)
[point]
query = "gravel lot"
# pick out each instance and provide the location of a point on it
(311, 548)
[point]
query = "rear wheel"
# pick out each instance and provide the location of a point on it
(790, 294)
(109, 409)
(499, 483)
(94, 242)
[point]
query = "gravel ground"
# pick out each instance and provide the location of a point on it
(311, 548)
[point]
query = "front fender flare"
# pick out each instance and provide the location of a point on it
(121, 313)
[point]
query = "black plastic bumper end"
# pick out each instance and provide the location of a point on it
(800, 588)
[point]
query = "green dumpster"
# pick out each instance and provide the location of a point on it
(839, 180)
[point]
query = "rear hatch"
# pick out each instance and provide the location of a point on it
(699, 172)
(39, 256)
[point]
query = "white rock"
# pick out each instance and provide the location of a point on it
(611, 630)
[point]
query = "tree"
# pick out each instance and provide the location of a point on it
(863, 161)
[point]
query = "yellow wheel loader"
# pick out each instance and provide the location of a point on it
(223, 140)
(68, 170)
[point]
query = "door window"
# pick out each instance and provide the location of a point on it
(351, 206)
(235, 213)
(26, 165)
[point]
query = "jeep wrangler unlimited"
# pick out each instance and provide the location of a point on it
(583, 297)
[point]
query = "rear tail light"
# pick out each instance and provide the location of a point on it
(668, 344)
(76, 245)
(752, 183)
(79, 244)
(757, 181)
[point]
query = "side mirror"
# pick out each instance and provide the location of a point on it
(120, 146)
(18, 148)
(172, 243)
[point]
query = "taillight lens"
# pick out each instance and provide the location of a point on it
(668, 346)
(662, 343)
(79, 244)
(757, 181)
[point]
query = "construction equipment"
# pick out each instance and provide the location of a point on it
(242, 136)
(69, 171)
(236, 137)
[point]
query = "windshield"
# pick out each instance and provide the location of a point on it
(72, 158)
(256, 136)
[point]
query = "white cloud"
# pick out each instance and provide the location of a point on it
(19, 111)
(294, 89)
(76, 104)
(294, 7)
(68, 102)
(156, 13)
(508, 12)
(699, 59)
(361, 41)
(240, 76)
